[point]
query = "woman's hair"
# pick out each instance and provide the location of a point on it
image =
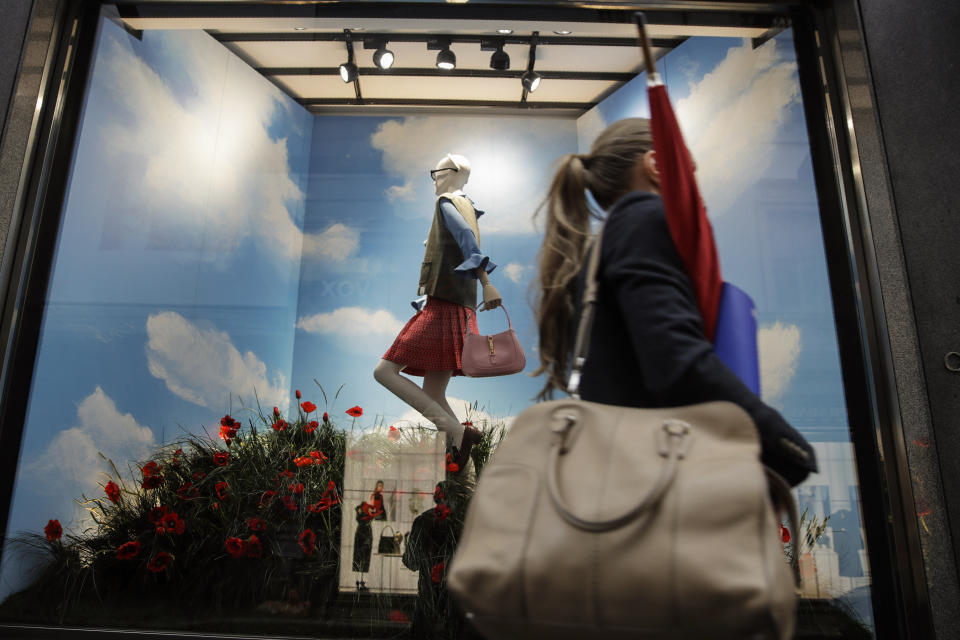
(607, 172)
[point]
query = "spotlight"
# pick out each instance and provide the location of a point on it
(562, 32)
(530, 80)
(383, 57)
(504, 32)
(446, 59)
(348, 71)
(500, 60)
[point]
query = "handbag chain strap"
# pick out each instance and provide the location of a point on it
(587, 302)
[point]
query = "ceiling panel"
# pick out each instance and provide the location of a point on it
(317, 86)
(570, 91)
(505, 89)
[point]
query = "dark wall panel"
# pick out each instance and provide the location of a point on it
(914, 64)
(13, 32)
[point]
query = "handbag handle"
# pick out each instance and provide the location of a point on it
(384, 530)
(676, 436)
(469, 311)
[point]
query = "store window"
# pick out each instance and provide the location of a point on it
(206, 448)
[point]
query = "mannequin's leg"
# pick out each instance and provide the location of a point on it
(435, 385)
(387, 373)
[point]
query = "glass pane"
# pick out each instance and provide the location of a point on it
(742, 117)
(206, 447)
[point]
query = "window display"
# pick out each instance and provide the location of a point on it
(211, 444)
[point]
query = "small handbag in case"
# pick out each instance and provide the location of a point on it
(389, 543)
(495, 355)
(598, 521)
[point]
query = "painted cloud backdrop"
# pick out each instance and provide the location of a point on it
(220, 245)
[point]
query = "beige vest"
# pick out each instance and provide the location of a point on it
(442, 255)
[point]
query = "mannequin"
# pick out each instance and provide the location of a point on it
(435, 333)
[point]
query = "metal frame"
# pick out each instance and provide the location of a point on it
(898, 585)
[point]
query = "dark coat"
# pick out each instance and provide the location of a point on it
(647, 345)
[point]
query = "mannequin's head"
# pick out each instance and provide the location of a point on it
(451, 173)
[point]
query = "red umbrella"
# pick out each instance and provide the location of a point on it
(686, 215)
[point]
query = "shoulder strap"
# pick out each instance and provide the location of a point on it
(582, 344)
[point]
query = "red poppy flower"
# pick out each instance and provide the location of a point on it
(436, 573)
(326, 417)
(393, 433)
(227, 421)
(398, 616)
(222, 489)
(256, 524)
(356, 412)
(198, 476)
(307, 540)
(128, 550)
(308, 407)
(253, 547)
(234, 547)
(296, 489)
(320, 506)
(331, 486)
(437, 494)
(297, 392)
(289, 503)
(453, 467)
(113, 491)
(229, 432)
(188, 492)
(53, 530)
(215, 506)
(303, 461)
(442, 511)
(319, 456)
(784, 534)
(276, 411)
(280, 425)
(155, 515)
(151, 469)
(172, 523)
(159, 562)
(220, 458)
(266, 498)
(467, 423)
(311, 426)
(178, 452)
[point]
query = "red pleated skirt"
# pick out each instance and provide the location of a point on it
(432, 340)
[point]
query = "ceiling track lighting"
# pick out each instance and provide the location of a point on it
(349, 70)
(531, 79)
(500, 60)
(446, 59)
(382, 57)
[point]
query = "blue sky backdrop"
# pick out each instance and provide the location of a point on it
(217, 238)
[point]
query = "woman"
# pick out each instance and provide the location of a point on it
(647, 345)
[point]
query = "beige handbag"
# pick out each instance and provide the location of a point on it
(597, 521)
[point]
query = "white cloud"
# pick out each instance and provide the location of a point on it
(516, 271)
(352, 322)
(73, 460)
(336, 243)
(779, 350)
(730, 120)
(461, 408)
(508, 181)
(204, 367)
(202, 159)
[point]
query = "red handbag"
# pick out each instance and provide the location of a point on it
(495, 355)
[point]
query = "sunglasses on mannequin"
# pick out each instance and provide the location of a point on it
(434, 172)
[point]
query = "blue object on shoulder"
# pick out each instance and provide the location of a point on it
(735, 342)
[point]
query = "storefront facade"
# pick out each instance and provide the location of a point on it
(870, 118)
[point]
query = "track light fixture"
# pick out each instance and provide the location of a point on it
(446, 59)
(530, 80)
(500, 60)
(382, 57)
(348, 70)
